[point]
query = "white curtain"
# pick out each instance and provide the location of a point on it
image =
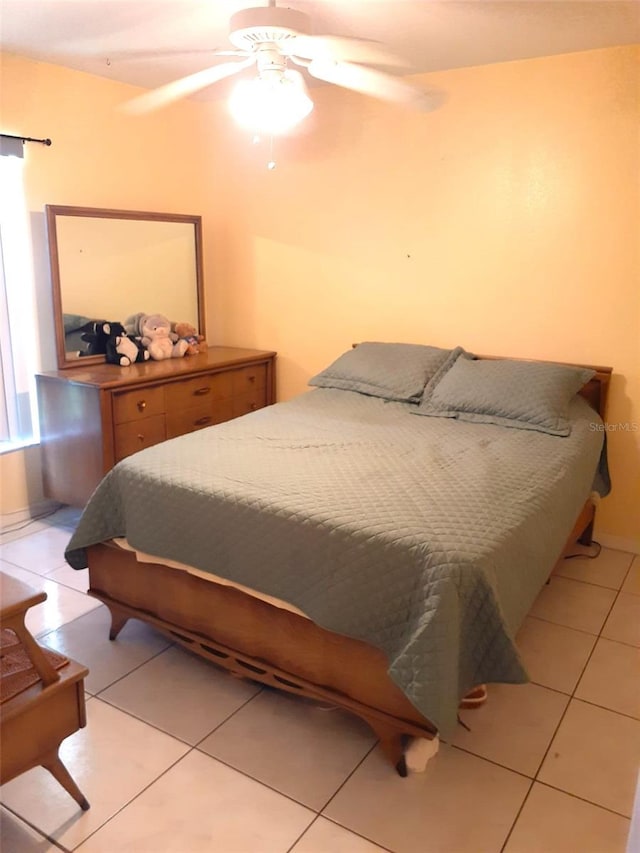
(19, 346)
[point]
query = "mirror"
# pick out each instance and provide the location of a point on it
(111, 264)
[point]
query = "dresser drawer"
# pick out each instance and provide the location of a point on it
(190, 392)
(198, 417)
(249, 379)
(249, 402)
(134, 436)
(135, 405)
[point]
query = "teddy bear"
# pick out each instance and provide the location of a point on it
(157, 337)
(187, 332)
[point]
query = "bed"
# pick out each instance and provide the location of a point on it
(373, 543)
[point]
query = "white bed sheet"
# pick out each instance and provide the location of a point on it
(142, 557)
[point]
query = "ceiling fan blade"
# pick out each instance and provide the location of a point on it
(341, 49)
(164, 95)
(145, 55)
(371, 82)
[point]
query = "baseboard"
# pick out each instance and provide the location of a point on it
(618, 543)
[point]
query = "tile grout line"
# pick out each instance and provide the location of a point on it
(517, 817)
(40, 832)
(347, 777)
(126, 674)
(490, 760)
(288, 796)
(335, 823)
(153, 725)
(583, 800)
(604, 707)
(157, 778)
(587, 633)
(132, 800)
(370, 840)
(335, 794)
(319, 813)
(196, 748)
(572, 697)
(302, 834)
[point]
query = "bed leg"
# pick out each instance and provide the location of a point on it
(118, 621)
(392, 744)
(586, 537)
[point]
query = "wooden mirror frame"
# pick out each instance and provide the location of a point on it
(54, 210)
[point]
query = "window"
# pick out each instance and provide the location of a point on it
(18, 360)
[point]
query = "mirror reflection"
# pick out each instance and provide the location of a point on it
(109, 265)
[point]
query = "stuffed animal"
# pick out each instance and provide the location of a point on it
(157, 337)
(124, 350)
(97, 332)
(195, 342)
(132, 324)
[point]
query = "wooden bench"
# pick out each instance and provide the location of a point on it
(35, 721)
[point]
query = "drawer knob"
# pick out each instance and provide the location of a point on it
(251, 377)
(142, 405)
(253, 406)
(140, 437)
(203, 421)
(200, 392)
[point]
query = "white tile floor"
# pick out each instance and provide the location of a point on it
(179, 757)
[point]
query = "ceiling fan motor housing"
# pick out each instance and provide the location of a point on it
(249, 28)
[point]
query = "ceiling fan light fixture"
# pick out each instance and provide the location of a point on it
(272, 104)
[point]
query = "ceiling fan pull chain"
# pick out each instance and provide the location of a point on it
(272, 163)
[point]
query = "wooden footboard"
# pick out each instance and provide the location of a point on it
(257, 640)
(254, 639)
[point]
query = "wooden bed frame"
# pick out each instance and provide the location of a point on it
(266, 643)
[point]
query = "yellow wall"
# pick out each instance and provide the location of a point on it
(507, 221)
(100, 157)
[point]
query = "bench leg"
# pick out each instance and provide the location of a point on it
(118, 621)
(57, 769)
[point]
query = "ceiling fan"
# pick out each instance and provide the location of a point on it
(272, 38)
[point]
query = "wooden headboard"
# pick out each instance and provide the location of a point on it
(596, 391)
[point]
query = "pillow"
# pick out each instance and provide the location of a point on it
(73, 322)
(387, 370)
(520, 394)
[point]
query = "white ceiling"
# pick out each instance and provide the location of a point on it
(103, 36)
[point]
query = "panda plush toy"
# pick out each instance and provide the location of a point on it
(124, 350)
(95, 335)
(111, 340)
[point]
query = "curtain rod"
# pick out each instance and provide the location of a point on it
(25, 138)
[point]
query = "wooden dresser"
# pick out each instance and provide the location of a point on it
(93, 416)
